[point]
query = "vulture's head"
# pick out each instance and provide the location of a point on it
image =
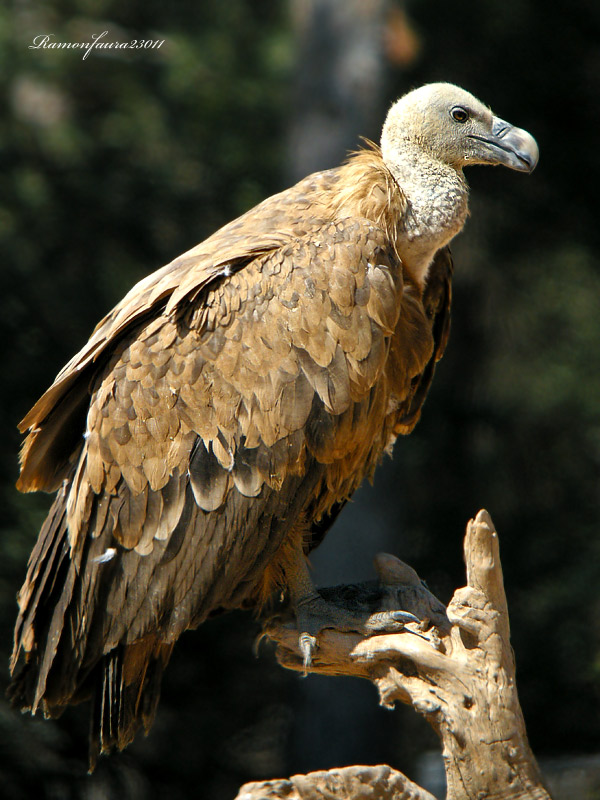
(452, 126)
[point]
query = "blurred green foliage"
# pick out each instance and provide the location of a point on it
(113, 165)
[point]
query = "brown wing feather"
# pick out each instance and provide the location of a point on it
(436, 303)
(263, 229)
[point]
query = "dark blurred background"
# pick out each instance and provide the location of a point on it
(113, 165)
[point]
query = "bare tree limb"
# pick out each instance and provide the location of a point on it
(455, 667)
(366, 783)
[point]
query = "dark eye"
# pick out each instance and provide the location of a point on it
(460, 114)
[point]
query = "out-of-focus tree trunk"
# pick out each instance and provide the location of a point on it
(339, 88)
(339, 95)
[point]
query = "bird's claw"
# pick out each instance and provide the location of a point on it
(256, 643)
(307, 644)
(389, 621)
(403, 617)
(315, 614)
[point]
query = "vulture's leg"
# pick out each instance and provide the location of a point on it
(314, 614)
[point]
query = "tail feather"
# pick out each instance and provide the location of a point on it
(126, 694)
(43, 602)
(65, 658)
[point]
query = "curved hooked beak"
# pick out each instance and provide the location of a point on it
(510, 146)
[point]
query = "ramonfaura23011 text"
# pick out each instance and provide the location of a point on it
(45, 42)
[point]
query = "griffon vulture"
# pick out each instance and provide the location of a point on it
(205, 438)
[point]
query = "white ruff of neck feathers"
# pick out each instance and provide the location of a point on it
(437, 196)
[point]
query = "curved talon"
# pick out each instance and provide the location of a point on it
(307, 644)
(389, 621)
(256, 643)
(403, 616)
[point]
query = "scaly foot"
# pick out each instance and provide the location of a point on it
(314, 614)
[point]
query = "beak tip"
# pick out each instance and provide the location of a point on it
(521, 150)
(530, 154)
(525, 150)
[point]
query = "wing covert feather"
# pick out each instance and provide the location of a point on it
(148, 412)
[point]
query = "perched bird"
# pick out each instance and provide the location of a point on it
(207, 435)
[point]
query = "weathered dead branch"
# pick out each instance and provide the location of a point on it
(455, 667)
(366, 783)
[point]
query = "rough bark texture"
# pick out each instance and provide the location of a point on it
(455, 667)
(366, 783)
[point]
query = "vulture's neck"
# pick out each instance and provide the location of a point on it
(436, 206)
